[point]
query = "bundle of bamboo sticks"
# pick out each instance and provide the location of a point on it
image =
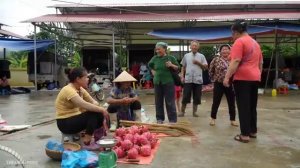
(175, 130)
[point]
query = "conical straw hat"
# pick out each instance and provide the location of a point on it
(125, 77)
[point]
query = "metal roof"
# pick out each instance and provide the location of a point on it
(6, 33)
(165, 17)
(174, 3)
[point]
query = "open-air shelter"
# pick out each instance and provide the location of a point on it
(107, 25)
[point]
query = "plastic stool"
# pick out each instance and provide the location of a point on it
(70, 137)
(283, 90)
(148, 85)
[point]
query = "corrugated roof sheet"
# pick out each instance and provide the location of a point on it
(8, 33)
(165, 17)
(174, 3)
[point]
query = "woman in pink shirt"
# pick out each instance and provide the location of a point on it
(245, 67)
(4, 85)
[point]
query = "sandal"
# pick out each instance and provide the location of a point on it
(240, 139)
(253, 135)
(212, 122)
(234, 123)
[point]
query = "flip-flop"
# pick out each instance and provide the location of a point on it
(239, 138)
(212, 123)
(234, 124)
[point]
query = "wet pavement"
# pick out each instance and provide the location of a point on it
(277, 145)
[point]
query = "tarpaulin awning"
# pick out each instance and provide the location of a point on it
(222, 32)
(24, 45)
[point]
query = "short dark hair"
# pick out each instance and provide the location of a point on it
(75, 73)
(239, 26)
(224, 45)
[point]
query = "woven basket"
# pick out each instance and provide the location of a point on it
(56, 155)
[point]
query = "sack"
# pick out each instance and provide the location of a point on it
(176, 78)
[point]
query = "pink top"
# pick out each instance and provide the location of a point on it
(248, 51)
(3, 82)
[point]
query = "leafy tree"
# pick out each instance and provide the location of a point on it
(267, 50)
(208, 51)
(75, 61)
(287, 50)
(284, 50)
(122, 56)
(65, 46)
(18, 59)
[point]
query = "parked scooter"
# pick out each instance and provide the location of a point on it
(96, 91)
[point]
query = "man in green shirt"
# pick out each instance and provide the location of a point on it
(164, 87)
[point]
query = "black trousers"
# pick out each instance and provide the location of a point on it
(219, 90)
(165, 92)
(188, 90)
(113, 108)
(89, 121)
(246, 99)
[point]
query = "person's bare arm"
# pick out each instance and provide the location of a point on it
(231, 70)
(111, 100)
(261, 64)
(135, 98)
(90, 99)
(78, 101)
(202, 66)
(183, 70)
(169, 64)
(153, 72)
(260, 67)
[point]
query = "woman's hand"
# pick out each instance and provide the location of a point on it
(182, 79)
(226, 82)
(153, 72)
(126, 100)
(106, 116)
(104, 112)
(169, 64)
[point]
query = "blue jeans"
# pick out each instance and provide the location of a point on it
(165, 92)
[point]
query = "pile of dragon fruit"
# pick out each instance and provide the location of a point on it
(134, 141)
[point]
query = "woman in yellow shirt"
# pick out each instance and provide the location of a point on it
(76, 110)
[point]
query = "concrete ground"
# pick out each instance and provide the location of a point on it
(277, 145)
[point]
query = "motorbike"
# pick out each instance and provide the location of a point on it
(96, 90)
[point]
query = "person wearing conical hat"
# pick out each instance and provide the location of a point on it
(122, 99)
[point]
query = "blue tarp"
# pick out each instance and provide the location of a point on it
(221, 32)
(24, 45)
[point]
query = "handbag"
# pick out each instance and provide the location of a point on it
(176, 78)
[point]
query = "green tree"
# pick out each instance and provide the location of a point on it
(284, 50)
(64, 45)
(208, 51)
(287, 50)
(18, 59)
(122, 56)
(267, 50)
(75, 61)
